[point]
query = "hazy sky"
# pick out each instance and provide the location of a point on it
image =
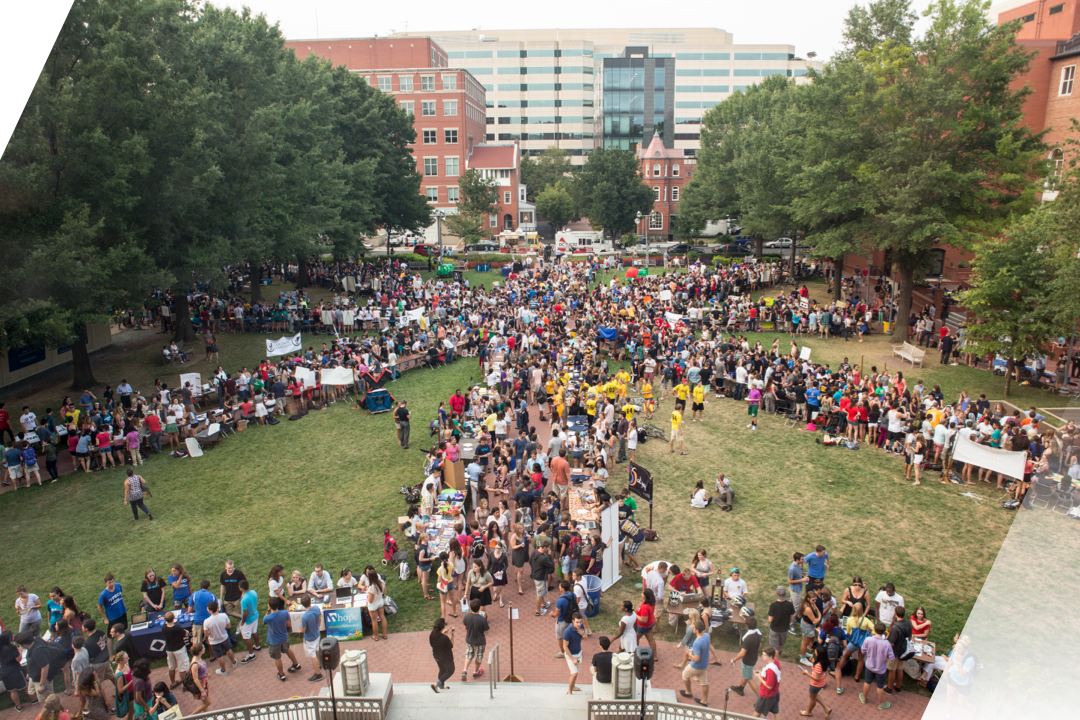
(809, 26)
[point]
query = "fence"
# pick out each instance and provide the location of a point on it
(493, 670)
(309, 708)
(631, 710)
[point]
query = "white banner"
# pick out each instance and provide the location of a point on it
(609, 533)
(337, 376)
(307, 377)
(672, 318)
(283, 345)
(414, 315)
(665, 295)
(805, 353)
(1008, 463)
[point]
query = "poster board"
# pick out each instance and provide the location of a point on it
(665, 295)
(337, 376)
(609, 528)
(804, 304)
(454, 475)
(305, 376)
(804, 354)
(196, 382)
(345, 623)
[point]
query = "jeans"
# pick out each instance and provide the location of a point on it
(155, 442)
(50, 467)
(405, 434)
(622, 449)
(136, 505)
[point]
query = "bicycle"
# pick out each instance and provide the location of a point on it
(637, 402)
(654, 432)
(788, 280)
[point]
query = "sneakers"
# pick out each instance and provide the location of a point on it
(248, 659)
(862, 698)
(219, 671)
(804, 661)
(791, 631)
(558, 656)
(281, 677)
(315, 678)
(294, 668)
(738, 690)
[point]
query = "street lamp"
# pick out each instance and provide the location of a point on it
(639, 218)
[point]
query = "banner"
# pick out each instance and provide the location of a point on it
(1008, 463)
(337, 376)
(607, 333)
(673, 318)
(641, 482)
(345, 623)
(305, 376)
(283, 345)
(804, 354)
(411, 315)
(665, 295)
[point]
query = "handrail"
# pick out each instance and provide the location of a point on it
(493, 670)
(631, 710)
(305, 708)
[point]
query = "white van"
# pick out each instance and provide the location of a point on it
(583, 243)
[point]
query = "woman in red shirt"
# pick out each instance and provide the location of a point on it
(920, 626)
(646, 619)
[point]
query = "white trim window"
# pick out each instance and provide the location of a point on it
(656, 221)
(384, 84)
(1068, 75)
(427, 82)
(1057, 162)
(675, 170)
(656, 190)
(452, 166)
(656, 170)
(449, 108)
(452, 193)
(674, 193)
(405, 83)
(433, 194)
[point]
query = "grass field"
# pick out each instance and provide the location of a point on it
(324, 488)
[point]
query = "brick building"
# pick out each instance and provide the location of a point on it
(501, 164)
(447, 104)
(667, 171)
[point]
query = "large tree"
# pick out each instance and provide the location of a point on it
(555, 205)
(546, 169)
(478, 201)
(610, 191)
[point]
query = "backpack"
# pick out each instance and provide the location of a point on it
(834, 647)
(389, 606)
(567, 615)
(573, 549)
(588, 600)
(477, 549)
(404, 570)
(29, 457)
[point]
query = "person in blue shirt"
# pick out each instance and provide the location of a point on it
(277, 636)
(817, 563)
(249, 621)
(111, 603)
(813, 400)
(181, 585)
(699, 664)
(572, 638)
(198, 607)
(310, 622)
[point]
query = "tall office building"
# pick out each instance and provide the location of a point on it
(638, 100)
(547, 87)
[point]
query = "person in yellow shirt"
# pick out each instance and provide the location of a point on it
(590, 407)
(681, 392)
(611, 389)
(623, 379)
(628, 411)
(676, 430)
(560, 406)
(698, 408)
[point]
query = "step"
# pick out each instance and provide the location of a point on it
(461, 701)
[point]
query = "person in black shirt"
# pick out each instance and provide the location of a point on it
(601, 661)
(176, 639)
(153, 592)
(401, 419)
(780, 613)
(899, 635)
(442, 649)
(230, 592)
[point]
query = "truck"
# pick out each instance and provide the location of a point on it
(583, 243)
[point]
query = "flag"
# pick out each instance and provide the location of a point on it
(641, 482)
(607, 333)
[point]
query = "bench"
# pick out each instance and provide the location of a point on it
(909, 352)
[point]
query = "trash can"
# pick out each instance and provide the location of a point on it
(506, 269)
(592, 589)
(483, 267)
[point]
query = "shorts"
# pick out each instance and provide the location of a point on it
(178, 659)
(376, 605)
(815, 690)
(311, 648)
(692, 673)
(573, 662)
(249, 630)
(677, 434)
(852, 648)
(777, 640)
(893, 664)
(938, 447)
(752, 410)
(229, 606)
(763, 706)
(560, 628)
(541, 588)
(15, 472)
(177, 604)
(815, 583)
(474, 652)
(747, 671)
(220, 649)
(695, 407)
(808, 630)
(631, 547)
(875, 678)
(276, 651)
(643, 630)
(197, 635)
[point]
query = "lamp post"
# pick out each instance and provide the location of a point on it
(639, 218)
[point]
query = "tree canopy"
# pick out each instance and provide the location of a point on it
(610, 191)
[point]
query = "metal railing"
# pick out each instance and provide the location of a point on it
(309, 708)
(493, 670)
(631, 710)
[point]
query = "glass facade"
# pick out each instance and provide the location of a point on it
(638, 99)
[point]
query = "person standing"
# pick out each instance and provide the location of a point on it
(28, 608)
(5, 424)
(878, 652)
(111, 603)
(817, 563)
(572, 636)
(277, 636)
(175, 648)
(886, 603)
(476, 625)
(216, 628)
(249, 621)
(541, 566)
(401, 420)
(442, 648)
(780, 614)
(676, 431)
(797, 581)
(560, 476)
(769, 692)
(200, 677)
(134, 491)
(898, 635)
(817, 675)
(200, 608)
(12, 674)
(309, 621)
(229, 591)
(698, 668)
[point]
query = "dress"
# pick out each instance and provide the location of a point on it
(628, 639)
(497, 566)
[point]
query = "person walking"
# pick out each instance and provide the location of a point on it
(817, 675)
(749, 646)
(309, 621)
(200, 679)
(277, 636)
(698, 668)
(442, 649)
(134, 490)
(571, 638)
(769, 692)
(401, 420)
(476, 625)
(216, 629)
(878, 653)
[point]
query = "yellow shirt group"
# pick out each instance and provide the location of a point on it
(676, 420)
(699, 394)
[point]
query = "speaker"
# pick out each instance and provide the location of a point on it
(329, 654)
(643, 663)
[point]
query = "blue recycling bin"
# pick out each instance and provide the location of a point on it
(506, 270)
(483, 267)
(592, 589)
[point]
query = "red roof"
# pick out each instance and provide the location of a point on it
(656, 149)
(493, 157)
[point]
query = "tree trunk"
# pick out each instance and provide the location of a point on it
(81, 371)
(1009, 364)
(838, 276)
(255, 273)
(301, 273)
(184, 333)
(903, 310)
(791, 268)
(759, 246)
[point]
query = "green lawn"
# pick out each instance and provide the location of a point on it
(324, 488)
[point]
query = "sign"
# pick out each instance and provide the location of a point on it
(19, 358)
(805, 353)
(195, 379)
(769, 302)
(414, 315)
(804, 304)
(673, 318)
(640, 482)
(337, 376)
(305, 376)
(283, 346)
(344, 623)
(665, 295)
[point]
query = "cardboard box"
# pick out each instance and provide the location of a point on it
(454, 475)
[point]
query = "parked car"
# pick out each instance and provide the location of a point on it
(782, 243)
(395, 241)
(482, 247)
(426, 249)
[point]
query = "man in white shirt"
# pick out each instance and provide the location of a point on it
(656, 580)
(216, 628)
(735, 586)
(320, 584)
(886, 602)
(28, 420)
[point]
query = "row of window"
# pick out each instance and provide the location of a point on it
(427, 108)
(570, 102)
(1054, 10)
(702, 72)
(702, 88)
(406, 83)
(540, 87)
(431, 137)
(539, 136)
(541, 120)
(538, 70)
(431, 166)
(658, 170)
(432, 193)
(467, 54)
(661, 193)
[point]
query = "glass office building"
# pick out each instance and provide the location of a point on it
(638, 100)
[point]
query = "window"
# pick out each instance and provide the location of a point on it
(431, 137)
(451, 167)
(1028, 18)
(427, 82)
(493, 220)
(452, 194)
(449, 82)
(1056, 9)
(675, 170)
(450, 136)
(384, 84)
(477, 53)
(431, 166)
(405, 83)
(656, 221)
(1057, 160)
(657, 191)
(433, 194)
(428, 108)
(506, 197)
(521, 193)
(449, 108)
(409, 108)
(675, 193)
(1068, 74)
(656, 170)
(503, 120)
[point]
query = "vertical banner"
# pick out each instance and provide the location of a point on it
(641, 482)
(609, 528)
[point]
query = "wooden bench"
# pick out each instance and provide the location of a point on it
(909, 352)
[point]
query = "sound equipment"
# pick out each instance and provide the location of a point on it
(329, 654)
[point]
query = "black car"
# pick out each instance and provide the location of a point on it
(482, 247)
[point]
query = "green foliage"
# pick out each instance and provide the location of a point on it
(478, 199)
(628, 240)
(555, 205)
(545, 170)
(610, 191)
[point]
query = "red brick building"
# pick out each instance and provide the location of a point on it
(1044, 19)
(666, 171)
(501, 164)
(448, 104)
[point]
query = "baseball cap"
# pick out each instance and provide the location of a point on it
(734, 570)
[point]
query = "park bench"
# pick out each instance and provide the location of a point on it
(909, 352)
